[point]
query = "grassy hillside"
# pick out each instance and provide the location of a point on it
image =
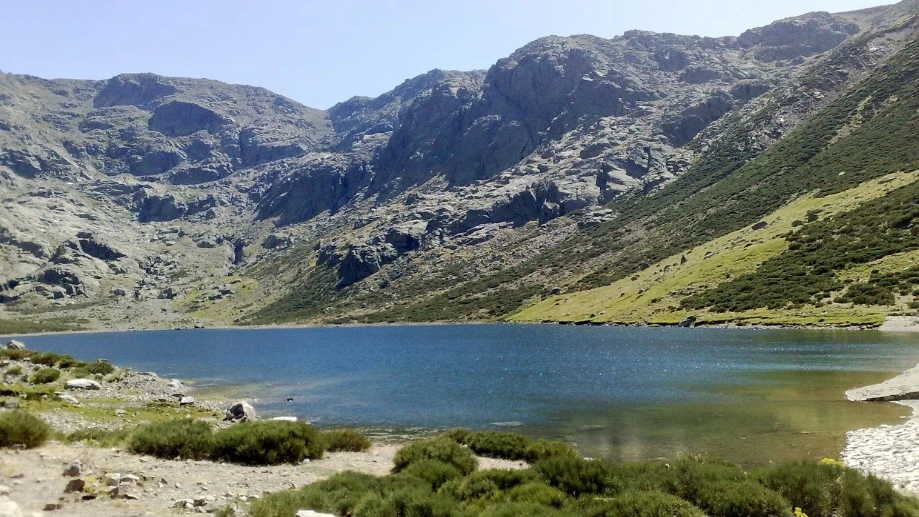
(729, 270)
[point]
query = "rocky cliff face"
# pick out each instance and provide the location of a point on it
(186, 180)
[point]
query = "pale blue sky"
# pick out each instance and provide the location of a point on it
(322, 52)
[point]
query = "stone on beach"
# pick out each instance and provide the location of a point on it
(83, 384)
(240, 412)
(15, 345)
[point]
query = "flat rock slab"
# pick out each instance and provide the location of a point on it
(902, 387)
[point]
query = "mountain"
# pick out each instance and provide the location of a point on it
(573, 167)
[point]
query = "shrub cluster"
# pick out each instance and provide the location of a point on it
(347, 440)
(509, 446)
(440, 449)
(267, 442)
(18, 428)
(45, 376)
(61, 361)
(433, 478)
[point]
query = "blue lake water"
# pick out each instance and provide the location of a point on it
(618, 392)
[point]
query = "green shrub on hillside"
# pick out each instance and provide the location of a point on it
(509, 446)
(268, 442)
(640, 504)
(434, 472)
(14, 370)
(345, 440)
(45, 376)
(441, 449)
(575, 476)
(829, 489)
(493, 444)
(740, 499)
(182, 438)
(19, 428)
(100, 437)
(536, 492)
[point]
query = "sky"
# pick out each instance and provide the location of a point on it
(320, 52)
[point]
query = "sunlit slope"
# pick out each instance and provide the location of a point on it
(654, 295)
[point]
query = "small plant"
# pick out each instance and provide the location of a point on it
(346, 440)
(181, 438)
(22, 428)
(45, 376)
(268, 442)
(14, 370)
(441, 449)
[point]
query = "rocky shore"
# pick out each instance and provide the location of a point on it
(84, 480)
(889, 451)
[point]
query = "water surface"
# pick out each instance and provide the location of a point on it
(619, 393)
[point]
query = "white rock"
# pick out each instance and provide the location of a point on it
(285, 418)
(70, 399)
(15, 345)
(311, 513)
(83, 384)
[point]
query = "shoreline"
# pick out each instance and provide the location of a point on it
(32, 479)
(897, 324)
(889, 451)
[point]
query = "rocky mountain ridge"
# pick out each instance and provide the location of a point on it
(144, 191)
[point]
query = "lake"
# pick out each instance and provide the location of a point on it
(620, 393)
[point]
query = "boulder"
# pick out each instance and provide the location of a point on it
(689, 322)
(187, 401)
(74, 485)
(83, 384)
(70, 399)
(15, 345)
(240, 412)
(73, 470)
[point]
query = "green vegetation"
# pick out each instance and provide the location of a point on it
(865, 133)
(345, 440)
(807, 273)
(45, 376)
(19, 428)
(439, 449)
(15, 327)
(181, 438)
(100, 437)
(509, 446)
(569, 486)
(268, 442)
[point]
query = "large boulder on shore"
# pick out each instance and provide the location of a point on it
(15, 345)
(240, 412)
(83, 384)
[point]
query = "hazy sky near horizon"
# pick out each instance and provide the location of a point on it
(320, 52)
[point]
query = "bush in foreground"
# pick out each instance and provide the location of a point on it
(347, 440)
(45, 376)
(22, 429)
(181, 438)
(640, 504)
(268, 442)
(828, 489)
(440, 449)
